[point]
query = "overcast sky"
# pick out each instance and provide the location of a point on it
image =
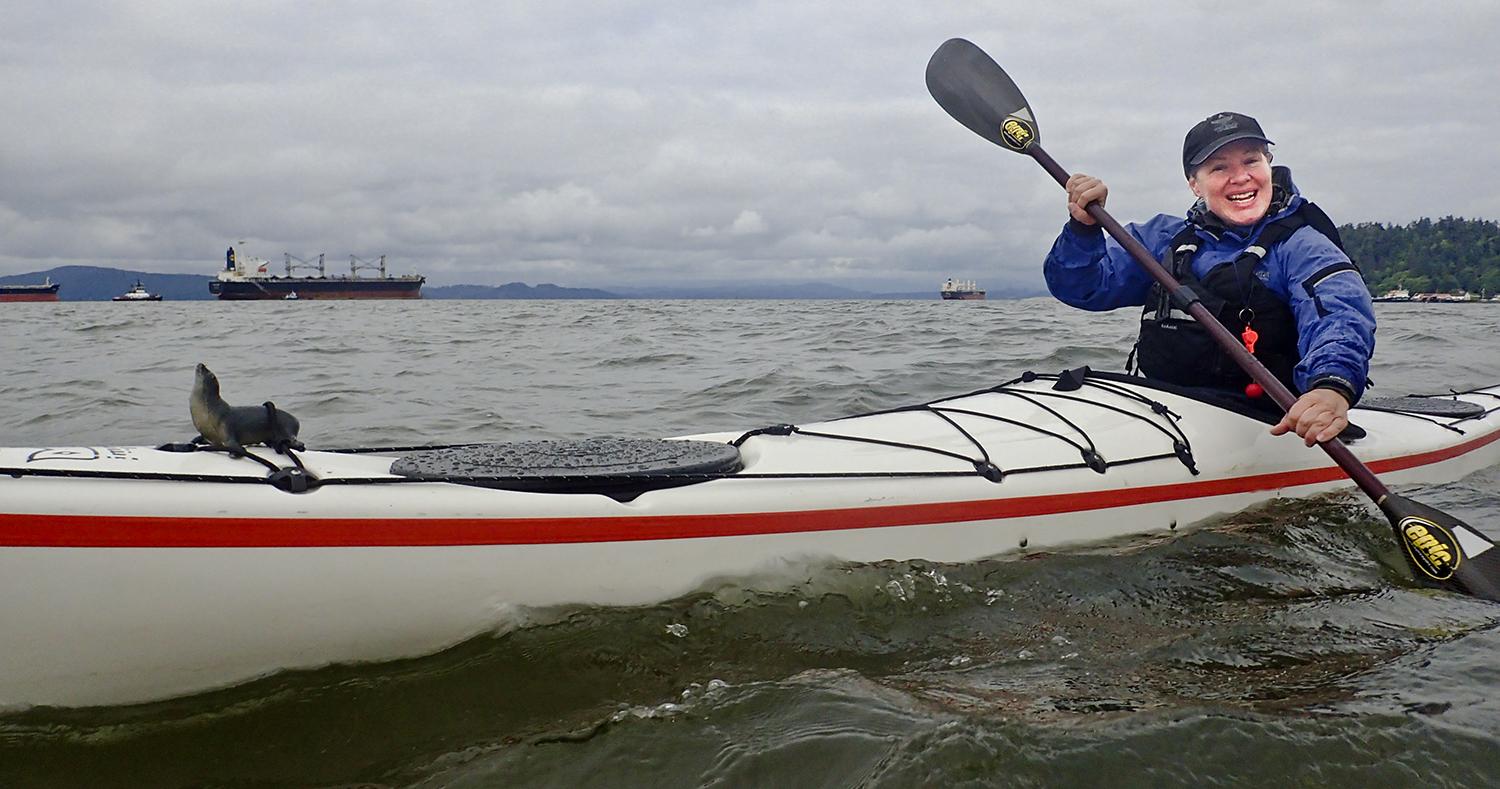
(617, 144)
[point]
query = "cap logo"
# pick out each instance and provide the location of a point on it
(1224, 123)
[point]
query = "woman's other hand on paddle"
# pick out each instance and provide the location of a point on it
(1082, 190)
(1317, 416)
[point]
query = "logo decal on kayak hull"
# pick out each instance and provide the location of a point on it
(1431, 547)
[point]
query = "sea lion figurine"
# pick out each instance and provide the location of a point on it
(232, 427)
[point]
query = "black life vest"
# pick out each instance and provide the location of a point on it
(1174, 348)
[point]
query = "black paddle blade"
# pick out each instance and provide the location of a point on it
(1442, 550)
(972, 87)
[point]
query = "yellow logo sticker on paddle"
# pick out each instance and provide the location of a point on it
(1017, 133)
(1431, 547)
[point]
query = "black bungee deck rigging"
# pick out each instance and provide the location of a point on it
(1165, 421)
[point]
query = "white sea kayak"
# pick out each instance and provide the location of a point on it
(131, 574)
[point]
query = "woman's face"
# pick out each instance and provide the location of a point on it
(1235, 182)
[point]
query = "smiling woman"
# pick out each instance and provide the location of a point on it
(1267, 262)
(1235, 180)
(972, 88)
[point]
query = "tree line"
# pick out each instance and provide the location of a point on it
(1428, 255)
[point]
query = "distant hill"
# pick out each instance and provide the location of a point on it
(809, 290)
(800, 290)
(98, 283)
(514, 290)
(1428, 255)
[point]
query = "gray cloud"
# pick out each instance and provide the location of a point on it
(621, 144)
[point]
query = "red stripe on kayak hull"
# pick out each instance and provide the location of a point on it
(119, 531)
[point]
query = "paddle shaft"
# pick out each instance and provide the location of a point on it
(1357, 471)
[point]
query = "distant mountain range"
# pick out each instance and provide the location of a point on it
(94, 283)
(514, 290)
(97, 283)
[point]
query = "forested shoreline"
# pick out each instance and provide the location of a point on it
(1428, 255)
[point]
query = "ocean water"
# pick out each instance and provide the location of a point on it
(1282, 646)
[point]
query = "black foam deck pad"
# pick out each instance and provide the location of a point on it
(1427, 406)
(598, 459)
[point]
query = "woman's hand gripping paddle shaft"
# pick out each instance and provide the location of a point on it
(1441, 550)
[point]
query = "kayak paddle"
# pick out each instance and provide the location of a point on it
(1442, 550)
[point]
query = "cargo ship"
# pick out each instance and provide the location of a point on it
(47, 291)
(961, 290)
(247, 279)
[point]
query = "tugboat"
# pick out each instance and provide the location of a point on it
(961, 290)
(137, 293)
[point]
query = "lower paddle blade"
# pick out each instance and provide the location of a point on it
(972, 87)
(1442, 550)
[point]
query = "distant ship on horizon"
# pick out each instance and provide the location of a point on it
(138, 292)
(961, 290)
(246, 279)
(47, 291)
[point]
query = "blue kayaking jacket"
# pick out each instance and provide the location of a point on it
(1334, 315)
